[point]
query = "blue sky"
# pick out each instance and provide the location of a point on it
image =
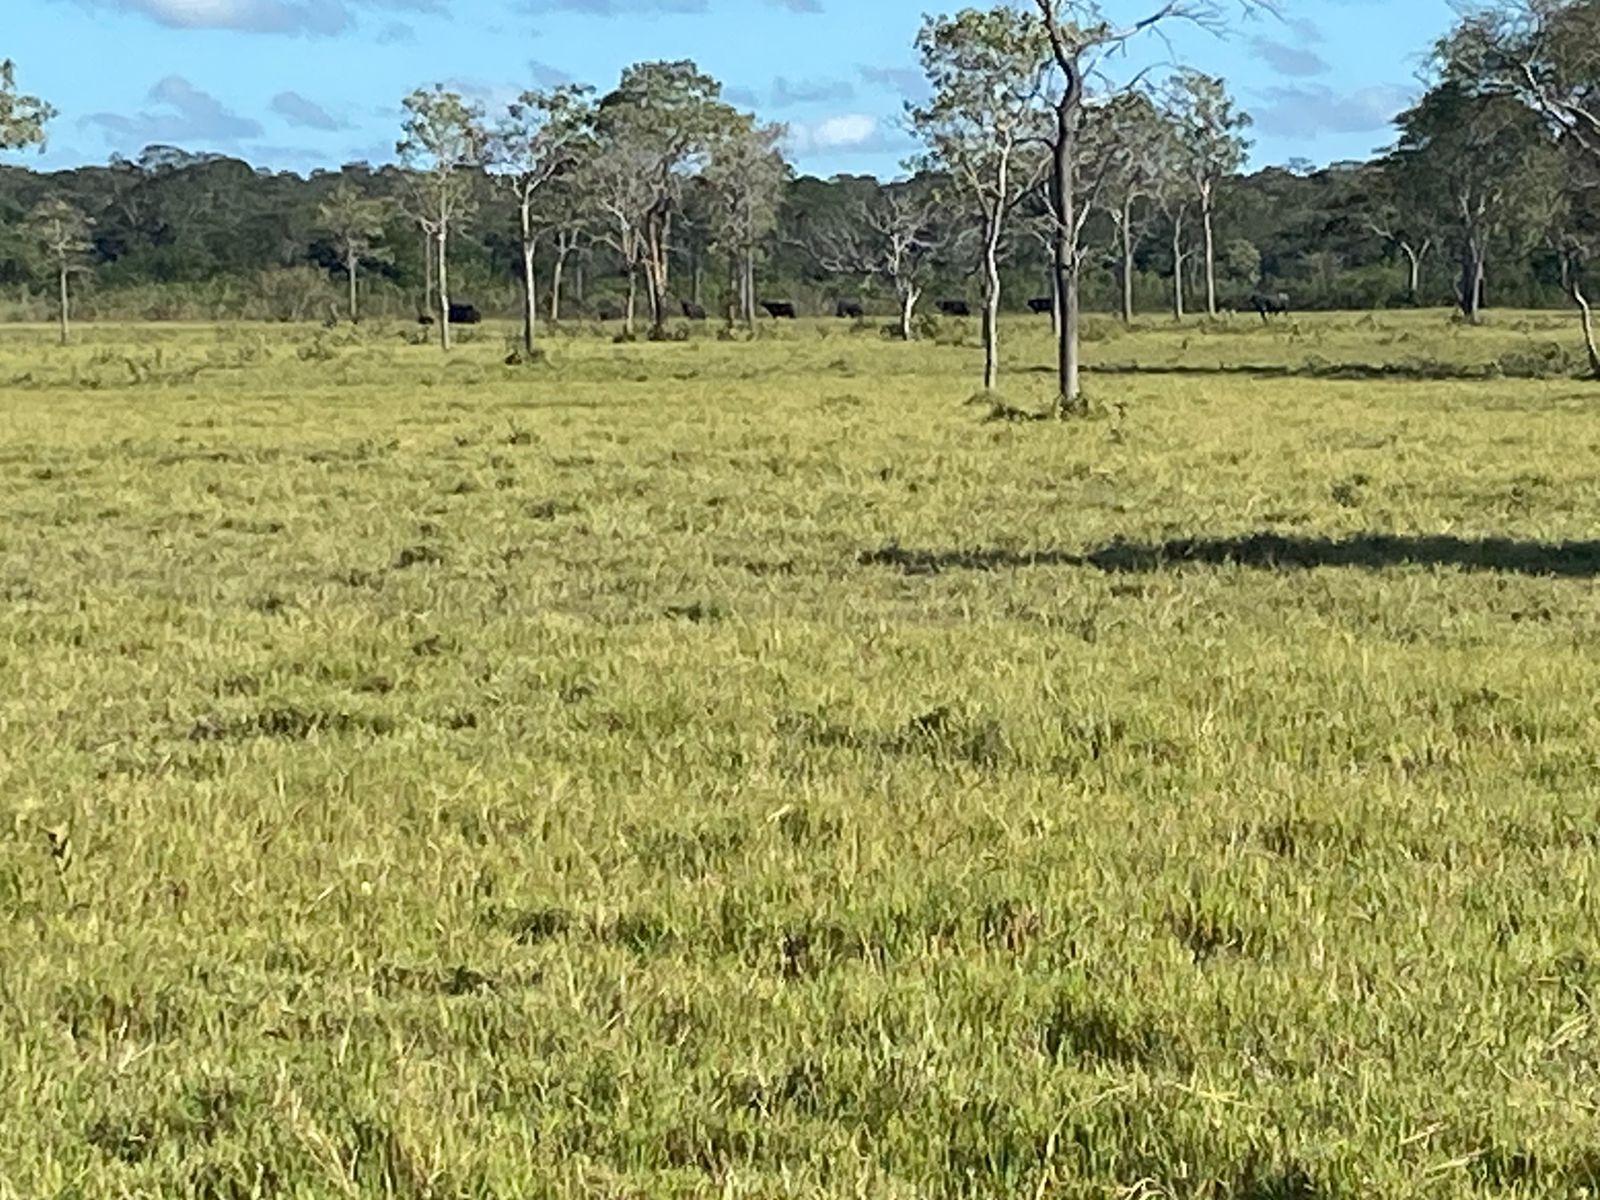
(298, 84)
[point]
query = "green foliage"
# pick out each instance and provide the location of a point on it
(22, 117)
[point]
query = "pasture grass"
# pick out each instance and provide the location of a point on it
(743, 769)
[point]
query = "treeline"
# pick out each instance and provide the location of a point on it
(177, 235)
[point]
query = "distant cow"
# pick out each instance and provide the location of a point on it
(1040, 305)
(1270, 303)
(464, 314)
(779, 309)
(609, 312)
(849, 308)
(955, 308)
(694, 312)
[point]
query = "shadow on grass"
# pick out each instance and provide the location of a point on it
(1269, 551)
(1511, 367)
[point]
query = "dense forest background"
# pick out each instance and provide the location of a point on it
(179, 235)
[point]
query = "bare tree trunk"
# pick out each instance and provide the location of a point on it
(562, 250)
(1055, 304)
(578, 277)
(530, 298)
(66, 304)
(1414, 272)
(427, 270)
(530, 293)
(748, 288)
(1177, 267)
(1211, 258)
(655, 273)
(991, 292)
(1575, 290)
(444, 288)
(908, 306)
(1062, 183)
(1126, 232)
(633, 300)
(1471, 284)
(351, 264)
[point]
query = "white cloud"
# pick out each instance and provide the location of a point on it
(847, 131)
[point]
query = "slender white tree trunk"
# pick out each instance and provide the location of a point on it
(530, 299)
(908, 306)
(1177, 267)
(748, 287)
(66, 304)
(444, 287)
(991, 291)
(351, 263)
(1064, 187)
(633, 300)
(1211, 257)
(1575, 290)
(530, 291)
(1126, 231)
(555, 283)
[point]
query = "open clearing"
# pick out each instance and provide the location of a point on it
(743, 770)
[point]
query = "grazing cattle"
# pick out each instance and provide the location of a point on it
(1040, 305)
(609, 312)
(1268, 304)
(955, 308)
(694, 312)
(424, 319)
(779, 309)
(464, 314)
(849, 308)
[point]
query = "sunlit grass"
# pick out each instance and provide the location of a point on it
(742, 769)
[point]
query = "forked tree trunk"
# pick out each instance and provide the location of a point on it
(655, 273)
(908, 306)
(1414, 271)
(444, 288)
(351, 264)
(66, 306)
(1575, 290)
(1472, 272)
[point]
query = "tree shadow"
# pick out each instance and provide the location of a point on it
(1412, 371)
(1271, 552)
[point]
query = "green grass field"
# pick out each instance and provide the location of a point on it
(746, 770)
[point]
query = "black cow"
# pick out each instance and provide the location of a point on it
(609, 312)
(1270, 303)
(694, 312)
(849, 308)
(955, 308)
(779, 309)
(464, 314)
(1040, 305)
